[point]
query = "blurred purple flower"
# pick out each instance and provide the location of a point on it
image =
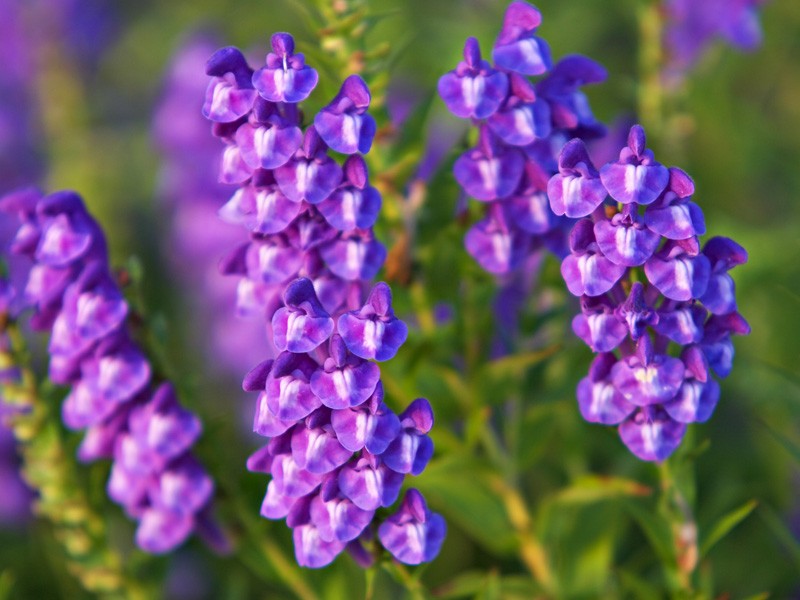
(146, 433)
(193, 196)
(691, 27)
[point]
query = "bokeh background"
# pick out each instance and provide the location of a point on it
(99, 104)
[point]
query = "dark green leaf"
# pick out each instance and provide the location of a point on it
(724, 525)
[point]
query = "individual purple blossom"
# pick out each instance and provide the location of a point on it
(344, 124)
(146, 433)
(516, 48)
(413, 534)
(336, 451)
(285, 78)
(645, 286)
(373, 332)
(474, 89)
(521, 125)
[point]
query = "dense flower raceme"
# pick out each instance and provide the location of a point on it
(144, 430)
(337, 452)
(691, 27)
(521, 127)
(192, 194)
(658, 309)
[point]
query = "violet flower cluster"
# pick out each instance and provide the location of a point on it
(657, 308)
(692, 26)
(521, 127)
(337, 453)
(144, 431)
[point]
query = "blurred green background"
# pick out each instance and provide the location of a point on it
(735, 128)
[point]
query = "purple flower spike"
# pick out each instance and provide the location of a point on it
(637, 177)
(302, 324)
(413, 534)
(344, 380)
(345, 124)
(354, 205)
(311, 175)
(651, 434)
(285, 78)
(474, 89)
(371, 425)
(412, 449)
(370, 483)
(598, 399)
(624, 240)
(516, 48)
(489, 171)
(373, 332)
(230, 95)
(288, 392)
(576, 190)
(586, 270)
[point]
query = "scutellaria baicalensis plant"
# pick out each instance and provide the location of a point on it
(337, 453)
(657, 308)
(127, 418)
(521, 125)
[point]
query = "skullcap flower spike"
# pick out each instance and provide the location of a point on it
(336, 451)
(522, 124)
(646, 286)
(112, 395)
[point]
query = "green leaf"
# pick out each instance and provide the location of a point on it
(476, 507)
(725, 525)
(515, 365)
(592, 488)
(784, 441)
(483, 585)
(6, 584)
(777, 524)
(655, 528)
(636, 587)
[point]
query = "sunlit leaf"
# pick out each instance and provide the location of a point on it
(724, 525)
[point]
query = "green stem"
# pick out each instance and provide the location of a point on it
(650, 97)
(50, 471)
(677, 509)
